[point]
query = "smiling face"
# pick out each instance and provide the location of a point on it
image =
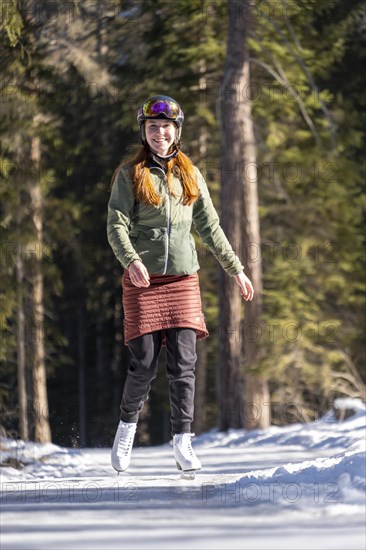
(160, 135)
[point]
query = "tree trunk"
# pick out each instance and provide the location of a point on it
(102, 387)
(119, 359)
(21, 365)
(229, 373)
(201, 365)
(42, 432)
(240, 221)
(256, 392)
(81, 372)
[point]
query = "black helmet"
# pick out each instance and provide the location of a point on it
(160, 106)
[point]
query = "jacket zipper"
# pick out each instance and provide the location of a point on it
(168, 220)
(167, 227)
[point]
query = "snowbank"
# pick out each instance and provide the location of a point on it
(299, 486)
(345, 438)
(338, 478)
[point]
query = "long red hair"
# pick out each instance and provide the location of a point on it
(181, 166)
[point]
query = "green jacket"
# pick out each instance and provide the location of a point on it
(161, 236)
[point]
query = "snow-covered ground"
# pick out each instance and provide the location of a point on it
(301, 486)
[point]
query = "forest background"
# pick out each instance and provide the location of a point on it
(73, 75)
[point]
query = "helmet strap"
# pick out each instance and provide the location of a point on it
(168, 157)
(143, 136)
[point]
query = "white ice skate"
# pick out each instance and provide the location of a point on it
(185, 457)
(122, 446)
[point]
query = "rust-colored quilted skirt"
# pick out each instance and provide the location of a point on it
(170, 301)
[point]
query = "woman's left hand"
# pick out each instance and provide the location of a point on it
(246, 287)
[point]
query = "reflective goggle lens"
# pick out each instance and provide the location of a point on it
(158, 107)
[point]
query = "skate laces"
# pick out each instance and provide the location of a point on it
(186, 442)
(126, 440)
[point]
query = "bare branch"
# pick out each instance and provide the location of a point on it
(305, 69)
(280, 76)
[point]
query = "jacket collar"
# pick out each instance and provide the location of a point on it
(154, 162)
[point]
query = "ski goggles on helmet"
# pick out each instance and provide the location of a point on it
(154, 108)
(160, 106)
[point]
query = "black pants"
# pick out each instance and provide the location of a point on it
(181, 360)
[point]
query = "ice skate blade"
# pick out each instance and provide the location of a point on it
(118, 471)
(188, 474)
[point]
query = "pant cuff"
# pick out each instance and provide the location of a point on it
(181, 429)
(129, 417)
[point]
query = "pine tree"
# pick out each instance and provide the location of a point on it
(241, 223)
(310, 189)
(26, 153)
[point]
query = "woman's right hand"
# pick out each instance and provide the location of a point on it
(138, 274)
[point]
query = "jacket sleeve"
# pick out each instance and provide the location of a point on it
(207, 224)
(120, 212)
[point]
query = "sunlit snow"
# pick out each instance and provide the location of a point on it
(300, 486)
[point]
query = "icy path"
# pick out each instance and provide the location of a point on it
(297, 487)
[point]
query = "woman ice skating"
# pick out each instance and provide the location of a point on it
(156, 197)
